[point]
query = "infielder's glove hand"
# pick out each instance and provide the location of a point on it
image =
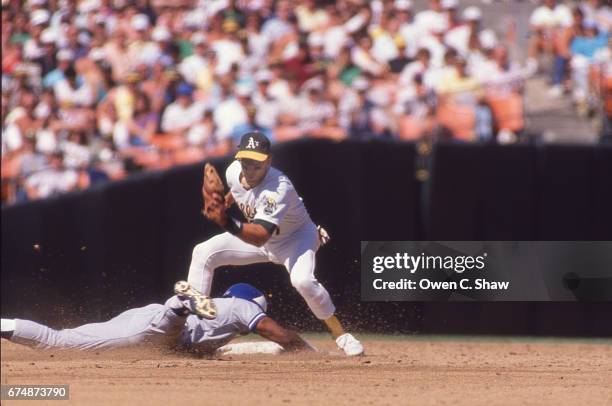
(216, 213)
(229, 200)
(213, 192)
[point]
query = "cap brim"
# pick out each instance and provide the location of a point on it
(256, 156)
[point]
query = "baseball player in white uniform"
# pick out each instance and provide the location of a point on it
(175, 324)
(278, 230)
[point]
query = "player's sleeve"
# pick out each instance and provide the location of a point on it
(232, 174)
(248, 313)
(273, 205)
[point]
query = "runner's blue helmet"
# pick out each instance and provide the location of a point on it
(247, 292)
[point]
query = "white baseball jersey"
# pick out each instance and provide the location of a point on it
(274, 200)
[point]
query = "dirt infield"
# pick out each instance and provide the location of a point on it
(397, 370)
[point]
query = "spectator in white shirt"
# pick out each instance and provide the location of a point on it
(159, 48)
(418, 67)
(183, 112)
(53, 180)
(279, 88)
(385, 36)
(70, 93)
(314, 107)
(543, 21)
(458, 37)
(267, 106)
(229, 52)
(426, 20)
(76, 151)
(450, 8)
(434, 42)
(408, 29)
(278, 26)
(33, 47)
(192, 66)
(361, 56)
(258, 43)
(335, 35)
(231, 112)
(310, 17)
(202, 133)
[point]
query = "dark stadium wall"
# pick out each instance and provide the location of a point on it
(86, 256)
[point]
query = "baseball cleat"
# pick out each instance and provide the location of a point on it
(202, 306)
(350, 345)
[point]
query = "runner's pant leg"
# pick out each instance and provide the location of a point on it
(154, 323)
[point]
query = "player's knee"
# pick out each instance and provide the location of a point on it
(303, 284)
(201, 250)
(203, 253)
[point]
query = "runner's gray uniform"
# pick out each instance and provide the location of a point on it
(152, 324)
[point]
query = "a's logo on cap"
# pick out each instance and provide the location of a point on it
(252, 143)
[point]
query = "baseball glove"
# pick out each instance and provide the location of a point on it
(213, 192)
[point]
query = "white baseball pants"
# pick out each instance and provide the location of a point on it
(297, 253)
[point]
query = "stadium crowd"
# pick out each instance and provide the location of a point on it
(95, 89)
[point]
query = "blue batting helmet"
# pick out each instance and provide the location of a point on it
(247, 292)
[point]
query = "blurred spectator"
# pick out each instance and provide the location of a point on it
(143, 125)
(76, 150)
(116, 52)
(361, 125)
(397, 64)
(562, 53)
(231, 111)
(310, 17)
(250, 126)
(584, 47)
(202, 133)
(52, 180)
(362, 57)
(315, 108)
(72, 91)
(457, 83)
(431, 19)
(599, 12)
(408, 30)
(257, 43)
(458, 37)
(195, 68)
(386, 37)
(65, 58)
(278, 25)
(420, 66)
(180, 115)
(544, 20)
(30, 160)
(460, 96)
(267, 107)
